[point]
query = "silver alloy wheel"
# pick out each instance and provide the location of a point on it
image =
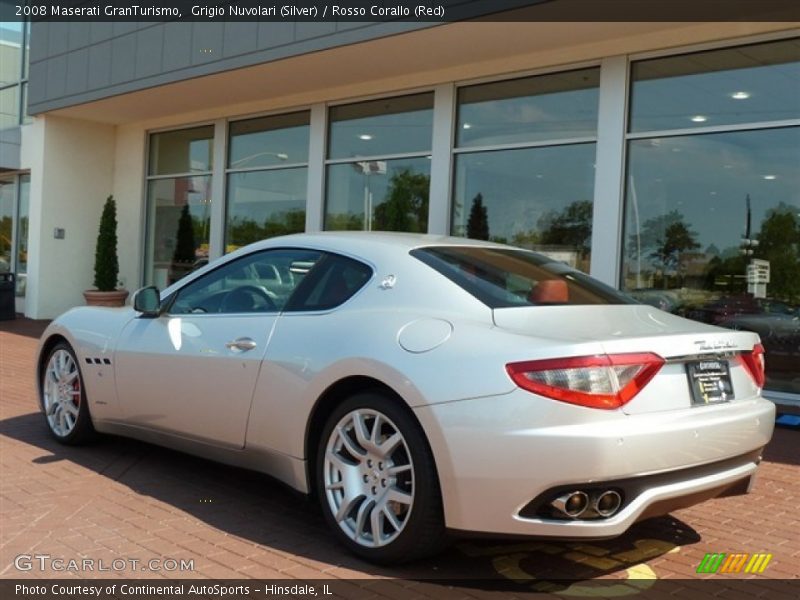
(62, 393)
(369, 478)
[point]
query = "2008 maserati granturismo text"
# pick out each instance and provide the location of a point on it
(419, 385)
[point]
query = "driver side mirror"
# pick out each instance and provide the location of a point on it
(148, 302)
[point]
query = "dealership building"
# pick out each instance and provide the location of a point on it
(660, 157)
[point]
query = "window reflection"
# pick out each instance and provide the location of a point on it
(544, 107)
(9, 107)
(183, 151)
(747, 84)
(269, 141)
(179, 207)
(694, 207)
(537, 198)
(180, 219)
(6, 223)
(381, 127)
(11, 47)
(384, 195)
(381, 191)
(22, 233)
(263, 204)
(267, 178)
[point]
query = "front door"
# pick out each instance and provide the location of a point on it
(193, 370)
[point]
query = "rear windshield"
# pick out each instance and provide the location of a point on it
(505, 277)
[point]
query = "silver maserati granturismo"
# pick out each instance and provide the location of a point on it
(420, 386)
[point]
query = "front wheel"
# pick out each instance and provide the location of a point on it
(377, 481)
(63, 397)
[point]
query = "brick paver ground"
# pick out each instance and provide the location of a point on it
(121, 499)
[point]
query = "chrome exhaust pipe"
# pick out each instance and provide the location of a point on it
(607, 503)
(573, 504)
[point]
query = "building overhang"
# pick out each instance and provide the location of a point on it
(451, 52)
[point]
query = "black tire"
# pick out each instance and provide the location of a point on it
(81, 429)
(423, 533)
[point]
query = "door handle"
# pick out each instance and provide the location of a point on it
(242, 344)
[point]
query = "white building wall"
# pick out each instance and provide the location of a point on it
(129, 192)
(72, 172)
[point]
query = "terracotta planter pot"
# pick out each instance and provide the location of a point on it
(114, 299)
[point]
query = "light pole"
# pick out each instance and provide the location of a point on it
(748, 244)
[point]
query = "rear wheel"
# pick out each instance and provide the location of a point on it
(64, 398)
(377, 481)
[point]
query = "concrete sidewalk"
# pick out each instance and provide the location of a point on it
(129, 501)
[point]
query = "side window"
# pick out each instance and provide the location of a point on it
(258, 283)
(333, 281)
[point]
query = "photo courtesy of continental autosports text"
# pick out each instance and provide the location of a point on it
(181, 590)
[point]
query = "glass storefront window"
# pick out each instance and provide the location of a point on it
(14, 194)
(27, 50)
(180, 210)
(14, 42)
(712, 218)
(263, 204)
(269, 141)
(747, 84)
(22, 233)
(537, 198)
(6, 224)
(183, 151)
(379, 195)
(178, 204)
(9, 107)
(388, 188)
(700, 210)
(544, 107)
(11, 44)
(267, 178)
(381, 127)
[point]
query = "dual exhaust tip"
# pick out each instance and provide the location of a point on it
(577, 504)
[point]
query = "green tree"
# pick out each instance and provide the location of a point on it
(344, 222)
(779, 243)
(406, 204)
(243, 231)
(571, 227)
(106, 263)
(666, 237)
(677, 238)
(478, 221)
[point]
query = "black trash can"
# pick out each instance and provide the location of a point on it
(7, 289)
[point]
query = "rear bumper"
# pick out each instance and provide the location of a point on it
(495, 456)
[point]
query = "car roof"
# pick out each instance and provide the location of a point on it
(361, 240)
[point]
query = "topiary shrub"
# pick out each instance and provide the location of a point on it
(184, 246)
(106, 264)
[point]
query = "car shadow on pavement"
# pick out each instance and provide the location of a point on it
(27, 327)
(267, 516)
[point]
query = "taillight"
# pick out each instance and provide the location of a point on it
(753, 361)
(601, 381)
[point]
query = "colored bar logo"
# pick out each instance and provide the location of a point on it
(734, 563)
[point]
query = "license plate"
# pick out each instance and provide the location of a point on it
(710, 381)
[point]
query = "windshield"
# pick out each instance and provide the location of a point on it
(506, 277)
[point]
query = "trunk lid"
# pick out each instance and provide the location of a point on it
(630, 328)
